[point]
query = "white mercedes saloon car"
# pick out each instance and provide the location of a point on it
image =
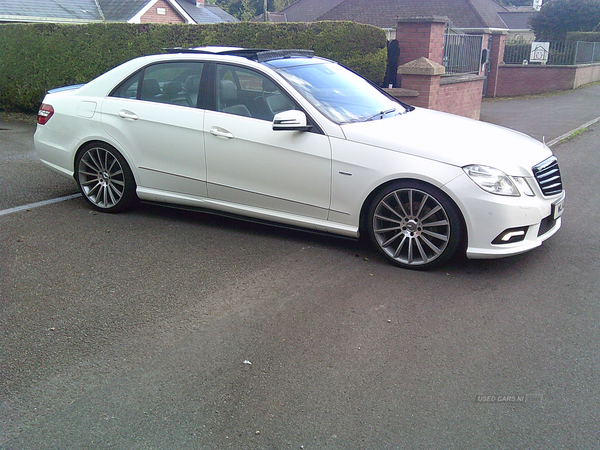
(287, 137)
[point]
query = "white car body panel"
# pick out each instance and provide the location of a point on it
(258, 213)
(55, 143)
(487, 217)
(358, 169)
(451, 139)
(250, 164)
(165, 141)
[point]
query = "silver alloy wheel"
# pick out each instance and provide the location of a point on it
(101, 177)
(411, 227)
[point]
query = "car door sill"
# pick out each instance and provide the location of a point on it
(244, 212)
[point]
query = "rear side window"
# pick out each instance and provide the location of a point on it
(175, 83)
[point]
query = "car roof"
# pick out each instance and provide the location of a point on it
(255, 54)
(272, 59)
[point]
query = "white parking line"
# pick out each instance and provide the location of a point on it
(5, 212)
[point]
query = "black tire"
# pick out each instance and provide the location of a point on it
(414, 225)
(104, 178)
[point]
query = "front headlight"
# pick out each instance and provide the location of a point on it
(492, 180)
(523, 186)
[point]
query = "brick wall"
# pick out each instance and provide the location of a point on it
(586, 74)
(428, 88)
(421, 37)
(424, 37)
(516, 80)
(461, 96)
(496, 56)
(530, 79)
(171, 16)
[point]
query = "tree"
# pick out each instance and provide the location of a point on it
(249, 9)
(557, 17)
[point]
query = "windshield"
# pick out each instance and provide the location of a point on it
(340, 94)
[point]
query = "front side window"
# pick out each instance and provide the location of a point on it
(175, 83)
(244, 92)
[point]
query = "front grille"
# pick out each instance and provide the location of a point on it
(547, 174)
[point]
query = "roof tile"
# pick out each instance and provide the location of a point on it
(383, 13)
(109, 10)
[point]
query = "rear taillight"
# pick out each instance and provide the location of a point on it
(44, 113)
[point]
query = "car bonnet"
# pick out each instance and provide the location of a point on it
(451, 139)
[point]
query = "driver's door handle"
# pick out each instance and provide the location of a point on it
(221, 133)
(128, 115)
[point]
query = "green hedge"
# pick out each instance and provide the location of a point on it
(38, 57)
(584, 36)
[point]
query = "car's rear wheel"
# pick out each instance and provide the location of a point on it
(104, 178)
(414, 224)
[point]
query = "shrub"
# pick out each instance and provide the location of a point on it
(38, 57)
(583, 36)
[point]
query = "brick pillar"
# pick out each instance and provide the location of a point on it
(496, 58)
(421, 37)
(423, 75)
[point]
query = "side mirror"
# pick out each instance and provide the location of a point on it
(292, 120)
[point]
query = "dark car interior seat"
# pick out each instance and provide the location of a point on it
(191, 88)
(173, 94)
(227, 99)
(150, 89)
(272, 101)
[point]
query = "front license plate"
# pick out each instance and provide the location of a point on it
(558, 207)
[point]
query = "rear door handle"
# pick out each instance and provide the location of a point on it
(221, 133)
(128, 115)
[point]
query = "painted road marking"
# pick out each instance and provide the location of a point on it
(5, 212)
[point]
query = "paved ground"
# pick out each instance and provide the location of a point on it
(160, 329)
(545, 116)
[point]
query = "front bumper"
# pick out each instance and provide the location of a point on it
(499, 226)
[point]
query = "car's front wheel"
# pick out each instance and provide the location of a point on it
(104, 178)
(414, 224)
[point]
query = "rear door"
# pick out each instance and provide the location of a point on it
(157, 118)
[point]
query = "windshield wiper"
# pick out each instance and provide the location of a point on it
(381, 114)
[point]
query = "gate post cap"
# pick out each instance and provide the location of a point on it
(421, 66)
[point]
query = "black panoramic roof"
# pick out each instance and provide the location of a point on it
(255, 54)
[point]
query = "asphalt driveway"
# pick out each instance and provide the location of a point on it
(164, 329)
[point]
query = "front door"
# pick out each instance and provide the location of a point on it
(250, 164)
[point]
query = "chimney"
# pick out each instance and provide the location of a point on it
(200, 3)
